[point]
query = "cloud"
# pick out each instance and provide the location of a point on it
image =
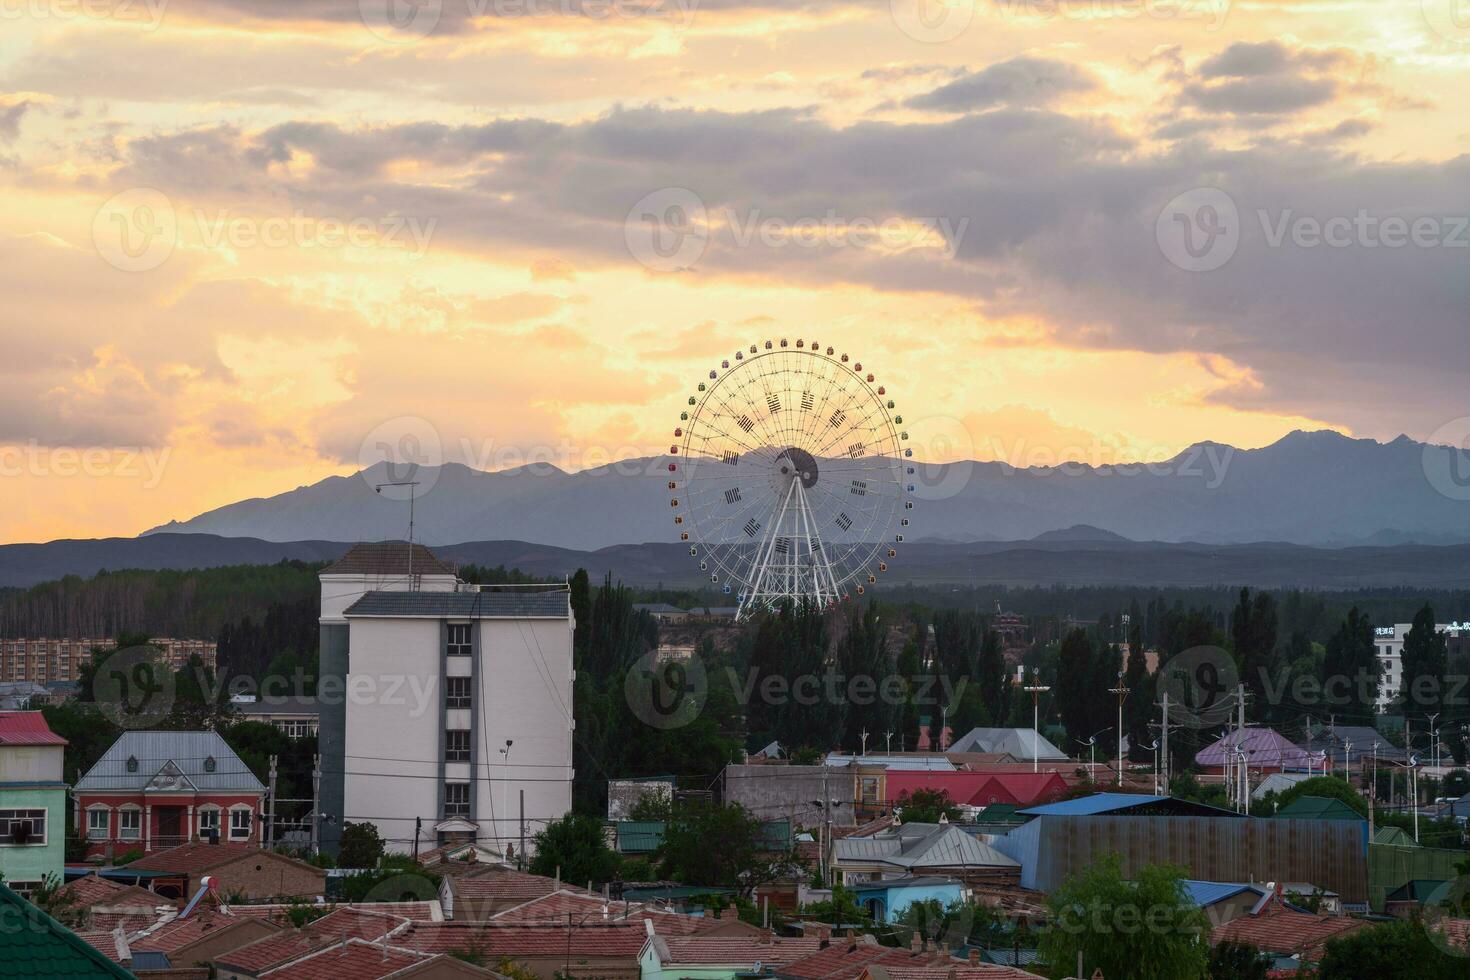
(10, 117)
(1266, 78)
(1021, 81)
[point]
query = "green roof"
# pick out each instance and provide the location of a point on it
(34, 945)
(1318, 808)
(1396, 836)
(639, 836)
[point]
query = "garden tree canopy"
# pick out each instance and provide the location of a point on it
(1393, 951)
(1144, 929)
(1425, 660)
(574, 849)
(926, 806)
(724, 847)
(361, 846)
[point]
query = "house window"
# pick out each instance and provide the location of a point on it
(870, 789)
(456, 799)
(98, 822)
(208, 823)
(22, 827)
(132, 763)
(130, 824)
(457, 745)
(239, 824)
(457, 692)
(459, 639)
(209, 764)
(24, 888)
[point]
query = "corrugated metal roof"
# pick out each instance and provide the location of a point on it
(1022, 743)
(1089, 805)
(188, 751)
(464, 605)
(1204, 893)
(26, 728)
(922, 846)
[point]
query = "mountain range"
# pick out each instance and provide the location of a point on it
(1320, 488)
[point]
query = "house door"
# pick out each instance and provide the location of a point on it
(170, 826)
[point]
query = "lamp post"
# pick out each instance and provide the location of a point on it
(1154, 748)
(1091, 743)
(1037, 690)
(1122, 693)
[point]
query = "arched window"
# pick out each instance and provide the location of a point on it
(132, 763)
(209, 764)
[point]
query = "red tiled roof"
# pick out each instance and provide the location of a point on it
(739, 949)
(181, 932)
(1278, 929)
(353, 960)
(505, 884)
(556, 906)
(102, 941)
(407, 910)
(520, 942)
(846, 958)
(674, 923)
(330, 929)
(131, 919)
(982, 971)
(189, 858)
(93, 890)
(27, 728)
(864, 829)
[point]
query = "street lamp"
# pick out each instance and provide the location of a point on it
(1154, 748)
(1091, 743)
(1037, 690)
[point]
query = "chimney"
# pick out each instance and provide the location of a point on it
(974, 957)
(916, 943)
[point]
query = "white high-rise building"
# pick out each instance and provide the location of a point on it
(451, 717)
(1389, 641)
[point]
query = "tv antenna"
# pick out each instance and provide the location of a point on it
(378, 488)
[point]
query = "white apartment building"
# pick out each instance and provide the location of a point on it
(1390, 643)
(448, 712)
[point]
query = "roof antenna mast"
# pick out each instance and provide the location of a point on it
(410, 484)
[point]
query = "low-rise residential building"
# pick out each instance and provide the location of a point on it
(296, 715)
(32, 801)
(243, 870)
(919, 850)
(1276, 927)
(155, 790)
(886, 899)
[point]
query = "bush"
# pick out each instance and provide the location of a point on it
(362, 847)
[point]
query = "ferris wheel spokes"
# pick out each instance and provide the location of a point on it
(778, 576)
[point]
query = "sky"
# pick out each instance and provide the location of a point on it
(244, 244)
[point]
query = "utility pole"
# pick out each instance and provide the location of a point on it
(521, 853)
(316, 801)
(1037, 690)
(864, 736)
(1372, 790)
(270, 809)
(1122, 693)
(418, 827)
(1164, 740)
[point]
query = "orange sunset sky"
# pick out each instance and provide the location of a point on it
(237, 237)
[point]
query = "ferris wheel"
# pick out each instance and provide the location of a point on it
(791, 481)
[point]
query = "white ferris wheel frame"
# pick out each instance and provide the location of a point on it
(790, 560)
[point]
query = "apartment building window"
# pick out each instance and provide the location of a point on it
(457, 692)
(456, 745)
(130, 824)
(98, 824)
(459, 639)
(456, 799)
(22, 827)
(239, 824)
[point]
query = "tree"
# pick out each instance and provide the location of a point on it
(927, 806)
(1075, 693)
(1144, 929)
(1239, 961)
(1351, 670)
(1253, 628)
(362, 847)
(1425, 661)
(574, 849)
(1392, 951)
(723, 847)
(1330, 787)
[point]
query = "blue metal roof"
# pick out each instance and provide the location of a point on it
(1204, 893)
(1088, 805)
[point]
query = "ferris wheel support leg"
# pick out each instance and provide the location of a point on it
(821, 563)
(804, 529)
(763, 553)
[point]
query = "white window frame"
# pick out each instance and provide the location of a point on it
(455, 648)
(105, 812)
(453, 754)
(208, 810)
(123, 812)
(249, 818)
(25, 813)
(454, 701)
(458, 809)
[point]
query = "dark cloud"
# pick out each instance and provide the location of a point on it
(1060, 216)
(1273, 95)
(1018, 82)
(1250, 60)
(10, 117)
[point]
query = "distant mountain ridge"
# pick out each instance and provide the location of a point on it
(1313, 488)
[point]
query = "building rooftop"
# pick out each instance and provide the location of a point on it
(1318, 808)
(35, 946)
(1262, 747)
(1276, 928)
(169, 760)
(915, 846)
(26, 728)
(1021, 743)
(387, 558)
(464, 605)
(1126, 803)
